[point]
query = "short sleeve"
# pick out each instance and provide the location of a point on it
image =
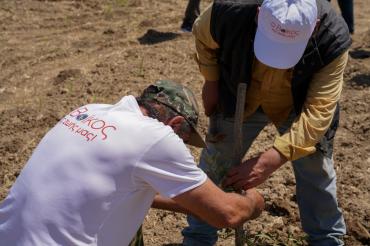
(169, 168)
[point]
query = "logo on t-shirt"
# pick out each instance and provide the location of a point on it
(88, 126)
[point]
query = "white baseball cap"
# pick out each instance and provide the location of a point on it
(284, 29)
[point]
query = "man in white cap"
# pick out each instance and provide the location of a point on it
(292, 55)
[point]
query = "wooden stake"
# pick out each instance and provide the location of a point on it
(238, 155)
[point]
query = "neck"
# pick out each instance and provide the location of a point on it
(143, 110)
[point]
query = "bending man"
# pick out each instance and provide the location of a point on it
(93, 177)
(292, 55)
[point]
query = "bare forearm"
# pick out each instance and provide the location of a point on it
(218, 208)
(160, 202)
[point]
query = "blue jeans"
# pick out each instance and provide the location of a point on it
(315, 176)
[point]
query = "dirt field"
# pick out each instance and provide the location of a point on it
(57, 55)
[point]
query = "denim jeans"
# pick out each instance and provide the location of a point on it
(315, 176)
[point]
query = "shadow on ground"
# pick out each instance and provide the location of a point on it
(359, 54)
(154, 37)
(361, 79)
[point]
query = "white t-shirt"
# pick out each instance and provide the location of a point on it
(93, 177)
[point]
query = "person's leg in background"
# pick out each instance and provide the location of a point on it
(321, 217)
(191, 13)
(346, 7)
(215, 160)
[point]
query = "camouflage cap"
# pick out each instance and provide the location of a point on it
(180, 99)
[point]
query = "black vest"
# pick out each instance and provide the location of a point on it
(233, 27)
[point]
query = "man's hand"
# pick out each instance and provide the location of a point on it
(257, 199)
(210, 96)
(254, 171)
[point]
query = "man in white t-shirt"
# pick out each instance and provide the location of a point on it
(93, 177)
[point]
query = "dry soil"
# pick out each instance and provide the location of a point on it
(57, 55)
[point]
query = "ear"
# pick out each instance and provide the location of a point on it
(175, 122)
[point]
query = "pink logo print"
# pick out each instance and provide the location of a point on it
(276, 28)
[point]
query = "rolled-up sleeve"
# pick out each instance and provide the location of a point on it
(317, 113)
(206, 55)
